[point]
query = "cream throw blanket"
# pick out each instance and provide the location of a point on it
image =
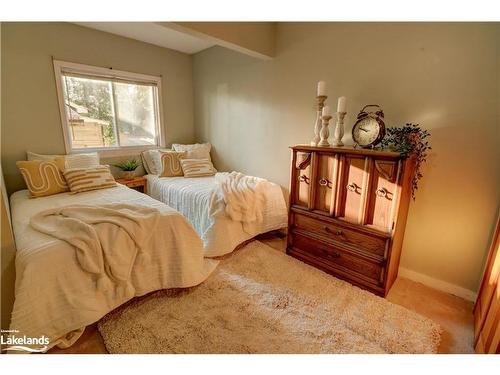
(106, 238)
(243, 198)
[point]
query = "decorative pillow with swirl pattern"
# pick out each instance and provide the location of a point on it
(43, 177)
(171, 164)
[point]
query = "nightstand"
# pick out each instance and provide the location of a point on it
(137, 183)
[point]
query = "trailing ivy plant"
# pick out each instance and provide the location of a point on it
(128, 165)
(409, 139)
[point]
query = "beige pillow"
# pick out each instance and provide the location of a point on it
(43, 177)
(85, 179)
(196, 151)
(170, 161)
(197, 167)
(88, 160)
(147, 161)
(33, 156)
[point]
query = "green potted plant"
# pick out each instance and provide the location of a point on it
(409, 139)
(128, 168)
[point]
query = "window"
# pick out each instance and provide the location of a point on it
(108, 110)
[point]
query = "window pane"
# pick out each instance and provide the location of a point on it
(135, 114)
(89, 111)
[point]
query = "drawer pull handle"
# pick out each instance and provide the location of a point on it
(381, 192)
(304, 178)
(325, 182)
(337, 232)
(352, 187)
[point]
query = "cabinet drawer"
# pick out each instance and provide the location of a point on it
(362, 242)
(337, 258)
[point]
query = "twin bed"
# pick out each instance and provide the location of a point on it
(193, 198)
(56, 298)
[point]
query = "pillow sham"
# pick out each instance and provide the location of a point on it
(85, 179)
(195, 151)
(171, 165)
(197, 167)
(88, 160)
(43, 177)
(146, 161)
(33, 156)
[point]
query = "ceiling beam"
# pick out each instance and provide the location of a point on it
(256, 39)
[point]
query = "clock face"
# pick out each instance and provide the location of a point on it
(366, 131)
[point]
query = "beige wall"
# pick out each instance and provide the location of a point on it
(30, 93)
(254, 38)
(443, 76)
(7, 255)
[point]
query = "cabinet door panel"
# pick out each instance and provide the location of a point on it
(353, 188)
(302, 176)
(325, 181)
(487, 308)
(383, 194)
(489, 336)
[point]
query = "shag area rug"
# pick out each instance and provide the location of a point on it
(260, 300)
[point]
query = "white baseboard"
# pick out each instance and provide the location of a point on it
(441, 285)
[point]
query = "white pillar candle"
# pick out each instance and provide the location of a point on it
(341, 105)
(326, 111)
(321, 88)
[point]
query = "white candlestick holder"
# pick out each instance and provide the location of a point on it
(324, 133)
(317, 125)
(339, 130)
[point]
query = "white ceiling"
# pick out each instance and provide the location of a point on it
(153, 33)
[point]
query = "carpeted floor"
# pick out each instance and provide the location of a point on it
(261, 301)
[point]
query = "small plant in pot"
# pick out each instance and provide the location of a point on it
(409, 139)
(128, 168)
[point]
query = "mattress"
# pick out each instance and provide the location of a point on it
(56, 298)
(220, 234)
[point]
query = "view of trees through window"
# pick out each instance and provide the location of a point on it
(103, 113)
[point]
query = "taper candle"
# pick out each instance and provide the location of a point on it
(321, 88)
(341, 105)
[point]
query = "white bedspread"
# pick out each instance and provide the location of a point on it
(220, 234)
(55, 297)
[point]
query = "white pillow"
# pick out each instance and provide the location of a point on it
(33, 156)
(196, 151)
(89, 160)
(147, 161)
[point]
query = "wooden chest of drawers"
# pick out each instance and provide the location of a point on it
(348, 211)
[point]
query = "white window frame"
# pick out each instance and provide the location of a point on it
(69, 67)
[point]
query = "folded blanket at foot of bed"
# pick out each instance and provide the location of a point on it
(241, 197)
